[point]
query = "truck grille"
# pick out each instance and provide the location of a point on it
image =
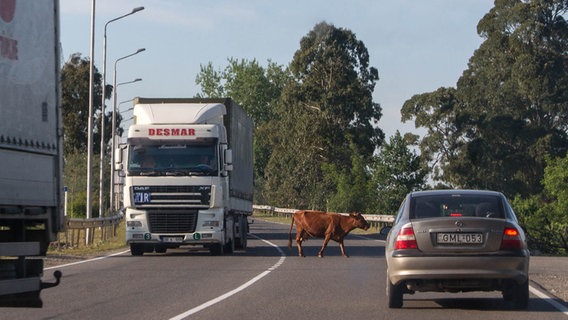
(172, 221)
(186, 196)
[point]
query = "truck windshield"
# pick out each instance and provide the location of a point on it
(173, 159)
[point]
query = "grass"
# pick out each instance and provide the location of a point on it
(112, 243)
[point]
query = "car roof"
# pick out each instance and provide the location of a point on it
(438, 192)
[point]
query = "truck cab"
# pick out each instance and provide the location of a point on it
(177, 168)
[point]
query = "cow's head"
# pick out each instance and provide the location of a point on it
(360, 221)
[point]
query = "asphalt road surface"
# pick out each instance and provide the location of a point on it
(268, 281)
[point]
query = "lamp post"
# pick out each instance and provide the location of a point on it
(90, 121)
(113, 142)
(102, 161)
(114, 126)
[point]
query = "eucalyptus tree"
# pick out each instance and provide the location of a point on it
(325, 115)
(509, 110)
(257, 89)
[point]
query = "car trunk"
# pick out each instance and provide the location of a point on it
(459, 235)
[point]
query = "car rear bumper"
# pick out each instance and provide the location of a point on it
(453, 268)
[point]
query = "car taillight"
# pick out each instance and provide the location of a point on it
(511, 239)
(405, 239)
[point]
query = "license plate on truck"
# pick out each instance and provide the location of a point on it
(460, 238)
(172, 239)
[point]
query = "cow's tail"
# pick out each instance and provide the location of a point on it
(290, 233)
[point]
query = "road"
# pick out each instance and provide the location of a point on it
(267, 282)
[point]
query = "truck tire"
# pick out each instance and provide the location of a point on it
(136, 249)
(216, 249)
(229, 247)
(242, 231)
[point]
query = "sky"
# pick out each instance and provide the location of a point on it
(417, 46)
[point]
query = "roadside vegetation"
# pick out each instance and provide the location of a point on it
(503, 126)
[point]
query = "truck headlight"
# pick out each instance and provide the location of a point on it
(211, 223)
(133, 224)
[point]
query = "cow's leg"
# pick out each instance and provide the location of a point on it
(299, 239)
(343, 249)
(325, 241)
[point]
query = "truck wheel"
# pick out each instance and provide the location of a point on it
(242, 231)
(230, 247)
(160, 249)
(216, 249)
(136, 249)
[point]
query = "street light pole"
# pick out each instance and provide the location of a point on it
(102, 161)
(90, 122)
(114, 124)
(113, 144)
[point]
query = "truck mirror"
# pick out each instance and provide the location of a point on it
(228, 160)
(118, 159)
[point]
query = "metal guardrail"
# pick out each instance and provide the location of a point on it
(76, 223)
(371, 218)
(75, 233)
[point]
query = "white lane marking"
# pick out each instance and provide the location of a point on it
(550, 300)
(240, 288)
(88, 260)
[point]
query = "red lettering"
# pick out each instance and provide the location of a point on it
(171, 132)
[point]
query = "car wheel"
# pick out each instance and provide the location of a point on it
(521, 296)
(394, 295)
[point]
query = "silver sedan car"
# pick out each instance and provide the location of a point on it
(457, 241)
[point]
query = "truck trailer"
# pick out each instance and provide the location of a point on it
(187, 167)
(31, 131)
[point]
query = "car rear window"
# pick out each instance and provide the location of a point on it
(456, 206)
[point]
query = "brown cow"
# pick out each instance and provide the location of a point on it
(319, 224)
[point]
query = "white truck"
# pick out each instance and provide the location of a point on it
(187, 168)
(30, 147)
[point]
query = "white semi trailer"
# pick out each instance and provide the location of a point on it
(187, 168)
(30, 147)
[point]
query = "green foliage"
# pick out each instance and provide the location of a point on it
(75, 76)
(257, 90)
(396, 171)
(74, 177)
(509, 110)
(353, 187)
(324, 116)
(545, 216)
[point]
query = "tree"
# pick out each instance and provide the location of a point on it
(257, 90)
(75, 76)
(396, 171)
(545, 216)
(355, 191)
(75, 103)
(324, 117)
(509, 110)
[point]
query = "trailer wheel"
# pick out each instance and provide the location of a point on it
(136, 249)
(242, 233)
